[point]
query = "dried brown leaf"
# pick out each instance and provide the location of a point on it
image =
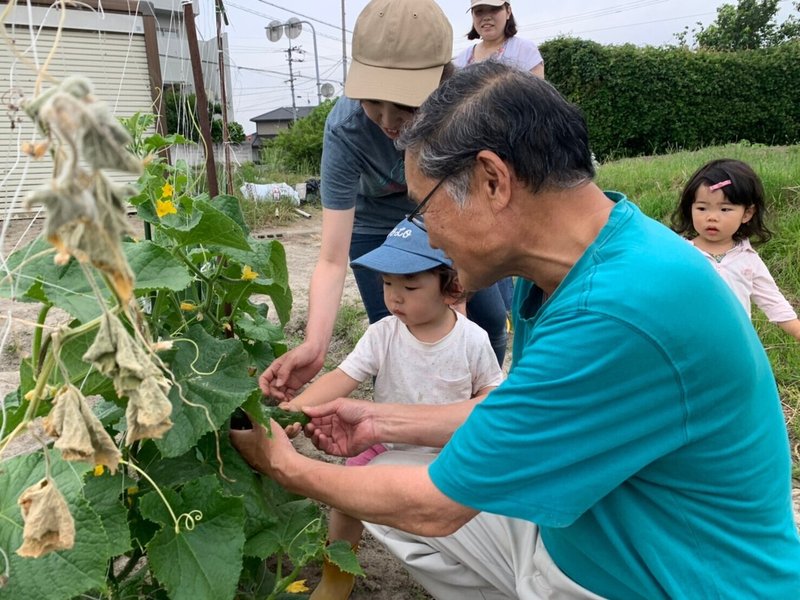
(149, 410)
(49, 526)
(80, 433)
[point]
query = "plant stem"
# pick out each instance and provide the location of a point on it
(281, 584)
(130, 565)
(37, 334)
(185, 259)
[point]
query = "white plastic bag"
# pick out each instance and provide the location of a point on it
(270, 192)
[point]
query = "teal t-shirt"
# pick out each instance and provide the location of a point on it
(639, 427)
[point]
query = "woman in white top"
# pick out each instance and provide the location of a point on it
(493, 23)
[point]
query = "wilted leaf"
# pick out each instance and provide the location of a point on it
(70, 572)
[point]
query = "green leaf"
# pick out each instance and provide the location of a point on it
(215, 379)
(82, 374)
(257, 328)
(39, 279)
(231, 207)
(155, 268)
(15, 404)
(299, 531)
(268, 259)
(156, 142)
(105, 495)
(58, 575)
(205, 225)
(174, 472)
(341, 554)
(203, 562)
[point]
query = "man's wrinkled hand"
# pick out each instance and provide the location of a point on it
(343, 427)
(263, 453)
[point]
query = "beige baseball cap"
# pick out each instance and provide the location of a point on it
(400, 48)
(475, 3)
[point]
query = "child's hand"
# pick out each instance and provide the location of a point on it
(295, 428)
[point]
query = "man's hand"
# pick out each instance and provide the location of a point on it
(342, 427)
(288, 373)
(267, 455)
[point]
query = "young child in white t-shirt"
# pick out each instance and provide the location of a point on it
(425, 352)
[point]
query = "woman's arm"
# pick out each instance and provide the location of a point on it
(294, 369)
(538, 70)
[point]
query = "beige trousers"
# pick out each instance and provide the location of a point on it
(490, 558)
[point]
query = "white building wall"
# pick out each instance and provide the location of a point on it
(193, 154)
(110, 52)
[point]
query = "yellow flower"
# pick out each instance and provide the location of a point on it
(165, 207)
(132, 491)
(98, 470)
(248, 274)
(188, 306)
(298, 587)
(167, 191)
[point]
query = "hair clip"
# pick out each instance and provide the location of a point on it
(720, 185)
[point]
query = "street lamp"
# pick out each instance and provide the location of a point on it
(292, 28)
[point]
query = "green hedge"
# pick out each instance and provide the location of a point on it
(641, 101)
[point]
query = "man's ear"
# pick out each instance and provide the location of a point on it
(492, 177)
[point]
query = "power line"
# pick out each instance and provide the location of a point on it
(592, 14)
(289, 10)
(265, 16)
(643, 23)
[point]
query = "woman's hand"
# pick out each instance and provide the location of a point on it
(288, 373)
(342, 427)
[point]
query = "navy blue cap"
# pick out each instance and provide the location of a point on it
(405, 251)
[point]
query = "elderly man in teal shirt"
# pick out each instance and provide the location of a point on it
(637, 448)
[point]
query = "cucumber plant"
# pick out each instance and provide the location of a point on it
(141, 495)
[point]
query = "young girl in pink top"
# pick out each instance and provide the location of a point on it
(721, 210)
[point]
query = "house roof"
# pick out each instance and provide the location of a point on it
(284, 113)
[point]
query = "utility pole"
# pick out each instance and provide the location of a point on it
(291, 81)
(344, 49)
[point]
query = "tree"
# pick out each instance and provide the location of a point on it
(749, 25)
(181, 115)
(300, 148)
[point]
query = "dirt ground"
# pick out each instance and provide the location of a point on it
(386, 579)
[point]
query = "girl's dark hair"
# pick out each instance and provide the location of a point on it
(448, 282)
(509, 31)
(745, 190)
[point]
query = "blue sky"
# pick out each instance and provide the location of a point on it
(260, 71)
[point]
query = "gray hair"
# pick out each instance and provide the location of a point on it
(516, 115)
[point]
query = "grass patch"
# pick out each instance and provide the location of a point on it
(655, 184)
(265, 214)
(351, 323)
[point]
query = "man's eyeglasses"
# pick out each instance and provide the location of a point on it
(416, 215)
